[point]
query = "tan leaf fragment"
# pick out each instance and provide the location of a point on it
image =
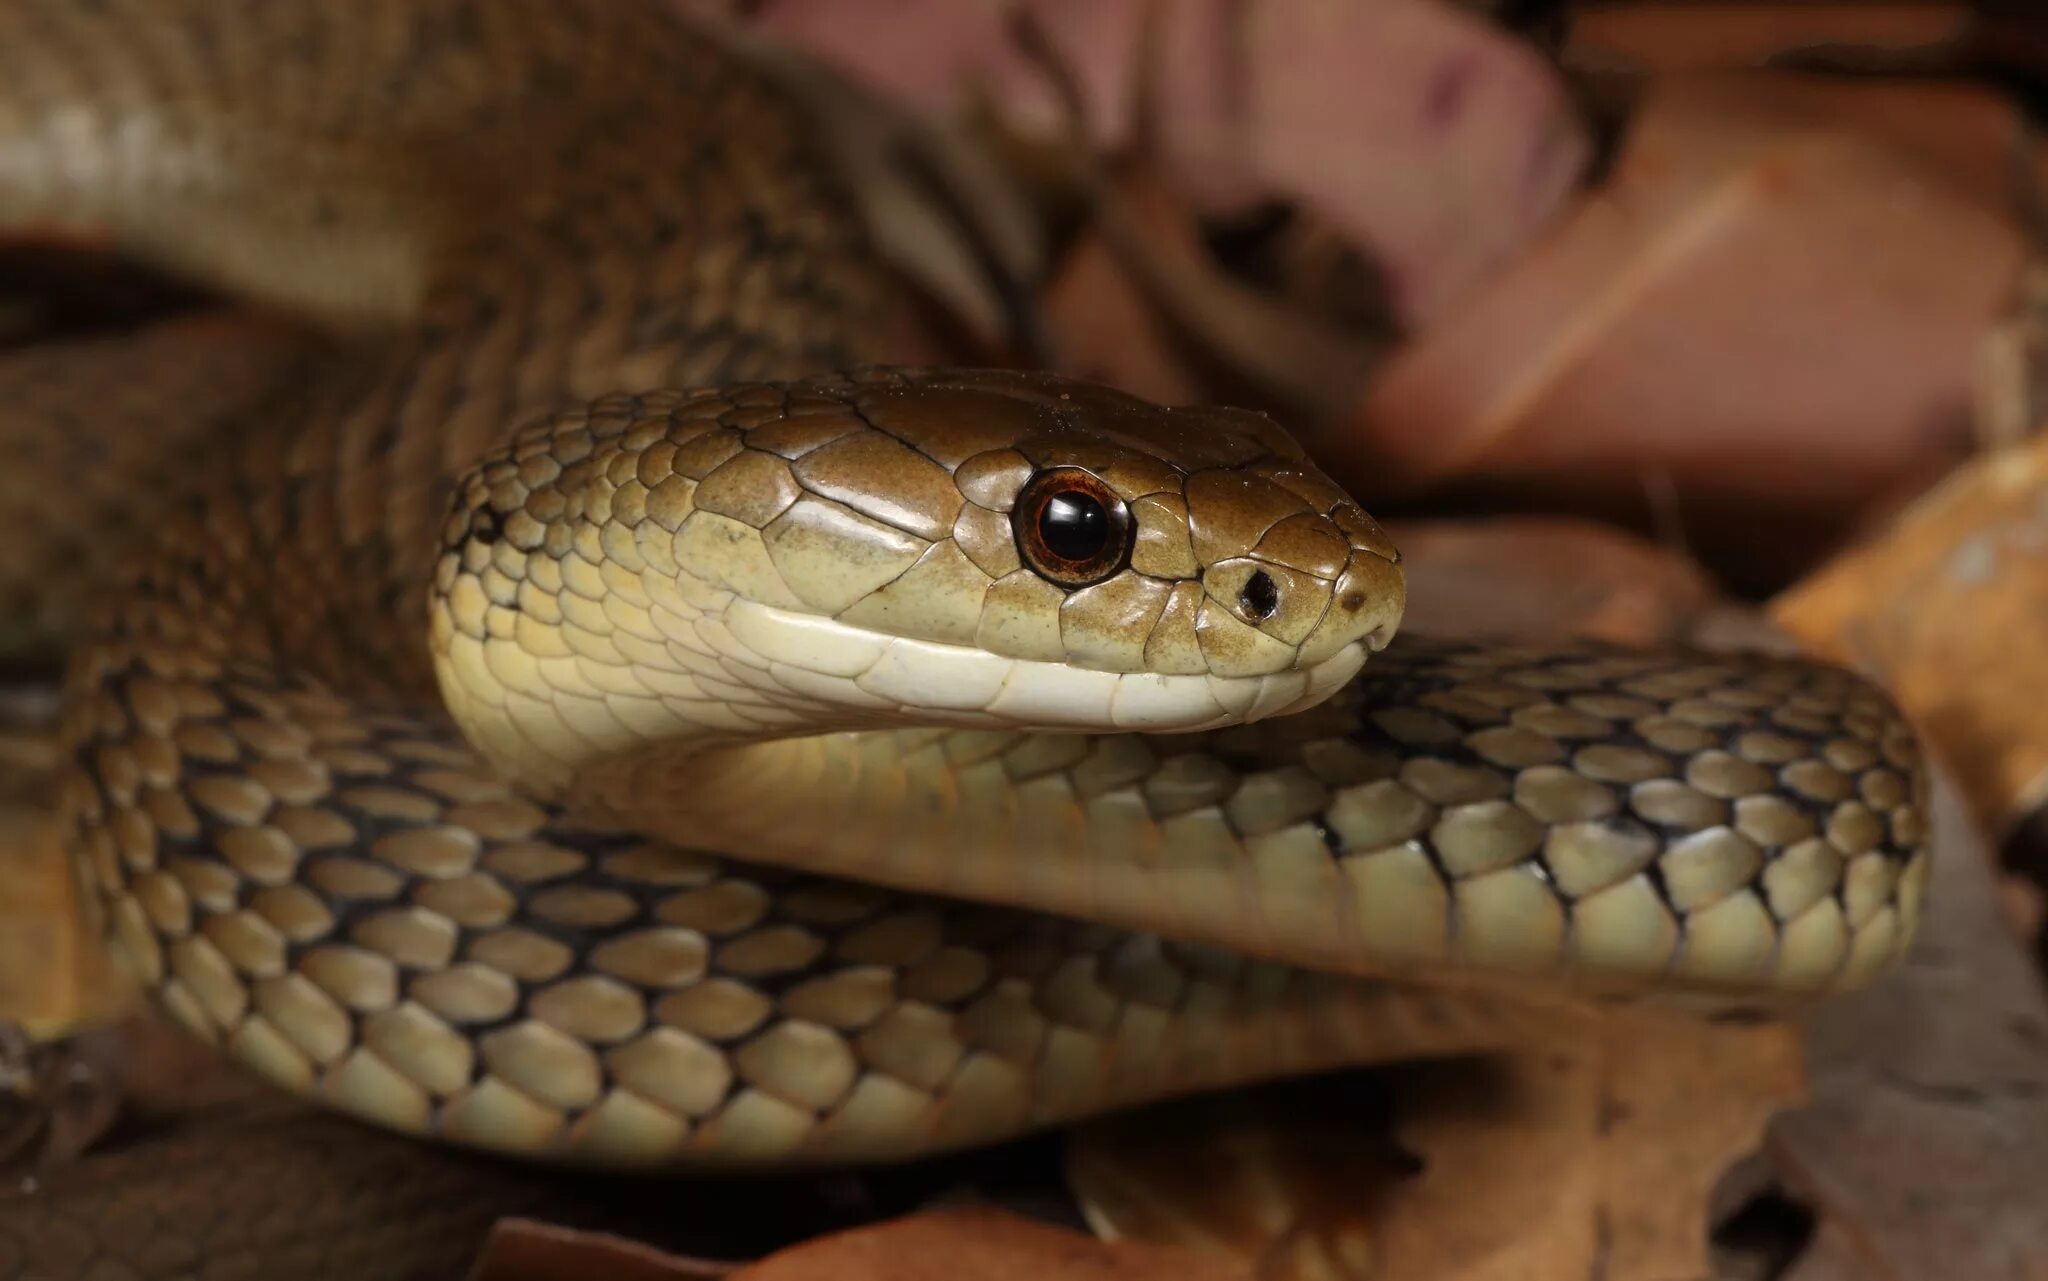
(1594, 1155)
(1944, 610)
(1608, 1148)
(52, 977)
(980, 1245)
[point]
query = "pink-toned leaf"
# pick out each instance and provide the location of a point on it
(973, 1244)
(1777, 314)
(1436, 141)
(1546, 576)
(520, 1249)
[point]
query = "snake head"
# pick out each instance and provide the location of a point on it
(969, 548)
(1167, 547)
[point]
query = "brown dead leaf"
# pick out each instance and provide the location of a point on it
(314, 1198)
(52, 977)
(56, 1101)
(1596, 1154)
(1738, 33)
(173, 1079)
(272, 1187)
(1420, 131)
(1546, 576)
(2024, 905)
(1606, 1146)
(1108, 331)
(531, 1250)
(981, 1245)
(1962, 124)
(1287, 1180)
(1925, 1148)
(2012, 366)
(1967, 132)
(1830, 1256)
(1944, 609)
(1140, 304)
(1776, 314)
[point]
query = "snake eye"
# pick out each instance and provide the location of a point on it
(1071, 527)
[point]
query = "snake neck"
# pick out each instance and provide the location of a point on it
(1053, 821)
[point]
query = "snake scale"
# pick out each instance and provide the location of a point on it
(567, 718)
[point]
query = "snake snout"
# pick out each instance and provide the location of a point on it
(1306, 587)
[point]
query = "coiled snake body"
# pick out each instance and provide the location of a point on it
(582, 781)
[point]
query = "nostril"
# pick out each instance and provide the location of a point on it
(1260, 596)
(1353, 602)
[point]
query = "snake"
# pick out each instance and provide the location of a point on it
(603, 707)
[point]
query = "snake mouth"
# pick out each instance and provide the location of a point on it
(1160, 704)
(930, 682)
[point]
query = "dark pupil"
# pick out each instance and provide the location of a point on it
(1073, 526)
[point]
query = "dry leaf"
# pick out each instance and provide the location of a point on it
(274, 1189)
(1776, 314)
(1604, 1147)
(296, 1196)
(1967, 132)
(1141, 305)
(1830, 1256)
(1966, 126)
(1546, 576)
(1926, 1145)
(1286, 1180)
(1599, 1150)
(1420, 131)
(1944, 609)
(172, 1079)
(980, 1245)
(1108, 331)
(1736, 33)
(55, 1102)
(532, 1250)
(52, 977)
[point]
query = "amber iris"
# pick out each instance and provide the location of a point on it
(1072, 528)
